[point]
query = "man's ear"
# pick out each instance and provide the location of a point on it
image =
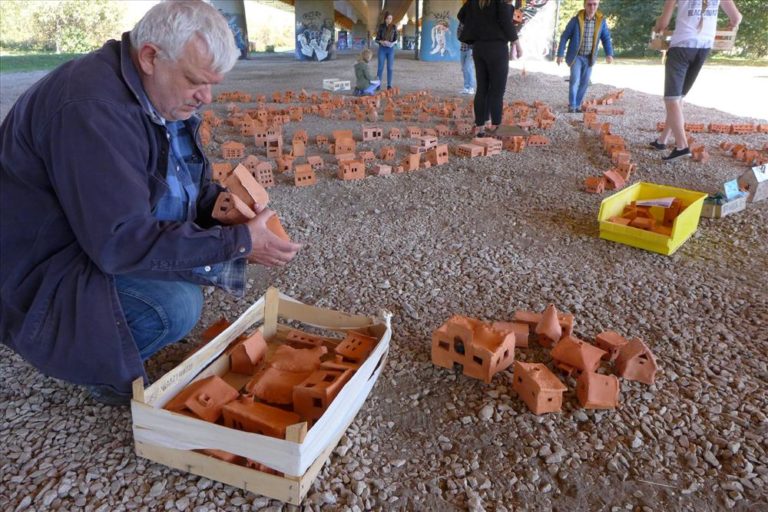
(147, 57)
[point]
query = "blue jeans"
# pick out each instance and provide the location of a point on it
(371, 88)
(158, 312)
(581, 71)
(387, 54)
(468, 69)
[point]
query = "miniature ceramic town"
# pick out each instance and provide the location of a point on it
(483, 349)
(269, 388)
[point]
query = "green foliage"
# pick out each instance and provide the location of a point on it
(631, 23)
(752, 38)
(33, 62)
(71, 26)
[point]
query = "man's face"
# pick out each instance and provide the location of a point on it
(590, 6)
(178, 89)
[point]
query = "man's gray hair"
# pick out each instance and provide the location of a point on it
(169, 25)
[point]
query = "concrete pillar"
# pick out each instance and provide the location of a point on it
(234, 12)
(360, 36)
(315, 34)
(438, 30)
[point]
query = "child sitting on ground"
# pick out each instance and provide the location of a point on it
(365, 82)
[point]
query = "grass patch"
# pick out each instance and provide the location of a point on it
(33, 61)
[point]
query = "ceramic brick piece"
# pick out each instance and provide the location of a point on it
(355, 347)
(515, 144)
(275, 386)
(719, 128)
(304, 175)
(538, 387)
(620, 157)
(635, 361)
(477, 347)
(442, 130)
(594, 184)
(351, 170)
(204, 398)
(572, 354)
(611, 342)
(671, 212)
(625, 170)
(389, 115)
(230, 209)
(548, 328)
(521, 331)
(312, 396)
(213, 330)
(232, 150)
(274, 225)
(741, 129)
(595, 391)
(247, 353)
(700, 154)
(249, 416)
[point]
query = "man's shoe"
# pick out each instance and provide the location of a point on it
(464, 91)
(657, 145)
(676, 154)
(471, 91)
(108, 396)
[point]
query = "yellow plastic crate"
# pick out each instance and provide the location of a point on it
(684, 226)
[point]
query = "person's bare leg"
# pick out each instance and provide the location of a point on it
(676, 122)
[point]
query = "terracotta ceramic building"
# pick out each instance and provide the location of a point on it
(478, 348)
(538, 387)
(595, 391)
(635, 361)
(574, 355)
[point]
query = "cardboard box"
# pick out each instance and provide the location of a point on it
(169, 438)
(683, 227)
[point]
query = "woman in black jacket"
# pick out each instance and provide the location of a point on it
(488, 26)
(386, 36)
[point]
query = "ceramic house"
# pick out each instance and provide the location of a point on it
(700, 153)
(625, 170)
(264, 175)
(574, 355)
(469, 150)
(755, 183)
(635, 361)
(230, 209)
(284, 163)
(343, 146)
(594, 184)
(312, 396)
(367, 157)
(274, 146)
(613, 180)
(204, 398)
(247, 127)
(250, 162)
(304, 175)
(478, 348)
(220, 171)
(438, 155)
(232, 150)
(275, 385)
(250, 416)
(515, 143)
(490, 145)
(612, 342)
(247, 353)
(336, 135)
(595, 391)
(394, 134)
(316, 162)
(301, 339)
(300, 135)
(718, 128)
(298, 148)
(538, 387)
(381, 170)
(244, 185)
(620, 157)
(355, 347)
(351, 170)
(463, 129)
(372, 133)
(442, 130)
(321, 141)
(548, 328)
(260, 136)
(387, 153)
(520, 330)
(741, 129)
(413, 131)
(389, 115)
(411, 162)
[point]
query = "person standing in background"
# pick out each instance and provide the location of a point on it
(692, 40)
(386, 36)
(467, 65)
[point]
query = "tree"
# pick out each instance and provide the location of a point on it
(631, 23)
(752, 38)
(75, 26)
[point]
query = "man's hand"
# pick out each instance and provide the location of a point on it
(266, 247)
(559, 60)
(518, 48)
(609, 59)
(659, 27)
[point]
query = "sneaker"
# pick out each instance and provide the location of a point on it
(471, 91)
(657, 145)
(677, 153)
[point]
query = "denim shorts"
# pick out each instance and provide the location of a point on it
(681, 69)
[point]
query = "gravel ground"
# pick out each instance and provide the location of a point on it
(483, 238)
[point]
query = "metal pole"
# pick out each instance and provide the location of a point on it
(418, 30)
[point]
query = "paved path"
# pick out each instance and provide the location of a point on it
(734, 89)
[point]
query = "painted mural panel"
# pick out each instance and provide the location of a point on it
(314, 37)
(439, 41)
